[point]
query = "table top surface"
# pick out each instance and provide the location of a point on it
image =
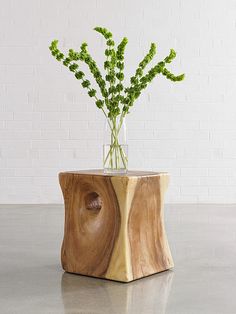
(130, 173)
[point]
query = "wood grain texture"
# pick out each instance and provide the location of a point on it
(114, 224)
(146, 229)
(91, 225)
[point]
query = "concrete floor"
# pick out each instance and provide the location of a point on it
(203, 243)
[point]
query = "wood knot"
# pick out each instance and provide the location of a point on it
(93, 201)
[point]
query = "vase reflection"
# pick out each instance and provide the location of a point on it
(83, 294)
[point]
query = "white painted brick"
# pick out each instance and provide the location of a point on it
(6, 172)
(83, 153)
(44, 106)
(45, 144)
(46, 162)
(214, 181)
(75, 164)
(140, 134)
(49, 124)
(194, 190)
(2, 73)
(164, 153)
(221, 172)
(74, 107)
(222, 124)
(19, 74)
(45, 181)
(55, 116)
(6, 116)
(27, 116)
(75, 126)
(86, 134)
(54, 134)
(17, 145)
(225, 191)
(18, 162)
(150, 163)
(99, 124)
(15, 95)
(186, 181)
(55, 195)
(18, 181)
(24, 172)
(19, 107)
(173, 172)
(79, 116)
(11, 152)
(223, 197)
(185, 124)
(18, 125)
(47, 171)
(197, 172)
(3, 163)
(46, 125)
(34, 172)
(19, 55)
(19, 135)
(73, 144)
(53, 154)
(153, 125)
(181, 134)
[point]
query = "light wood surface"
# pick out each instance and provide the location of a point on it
(130, 173)
(114, 225)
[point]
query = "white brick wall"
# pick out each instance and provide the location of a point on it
(48, 124)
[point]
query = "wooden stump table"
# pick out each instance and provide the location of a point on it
(114, 226)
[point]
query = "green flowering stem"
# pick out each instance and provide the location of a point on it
(116, 156)
(116, 148)
(110, 54)
(116, 100)
(124, 157)
(138, 84)
(86, 57)
(108, 120)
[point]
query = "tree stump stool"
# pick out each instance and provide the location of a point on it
(114, 226)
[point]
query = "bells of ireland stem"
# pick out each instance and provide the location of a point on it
(115, 148)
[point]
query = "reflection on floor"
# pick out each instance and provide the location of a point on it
(99, 296)
(202, 240)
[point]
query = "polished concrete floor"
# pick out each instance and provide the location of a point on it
(203, 243)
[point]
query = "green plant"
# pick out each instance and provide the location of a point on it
(114, 100)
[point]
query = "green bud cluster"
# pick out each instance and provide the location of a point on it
(110, 62)
(73, 55)
(55, 51)
(107, 34)
(112, 100)
(171, 76)
(120, 65)
(138, 81)
(100, 103)
(116, 98)
(171, 56)
(70, 62)
(148, 58)
(86, 57)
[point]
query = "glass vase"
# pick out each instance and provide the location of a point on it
(115, 148)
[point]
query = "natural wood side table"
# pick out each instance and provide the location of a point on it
(114, 225)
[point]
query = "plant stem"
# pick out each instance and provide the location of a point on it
(116, 155)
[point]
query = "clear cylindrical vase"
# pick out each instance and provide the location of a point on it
(115, 148)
